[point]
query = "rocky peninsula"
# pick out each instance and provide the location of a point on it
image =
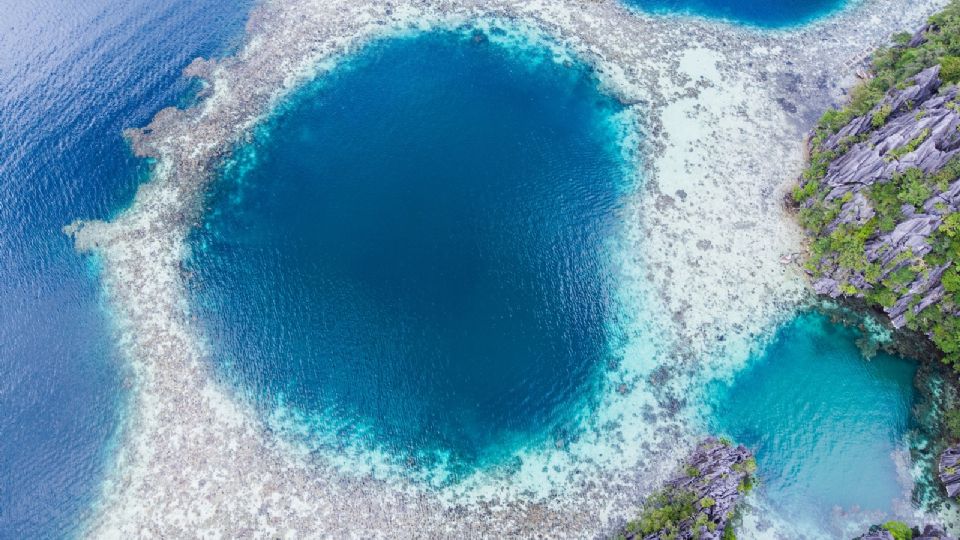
(882, 191)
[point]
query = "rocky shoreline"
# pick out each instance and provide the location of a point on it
(924, 122)
(882, 193)
(928, 532)
(881, 201)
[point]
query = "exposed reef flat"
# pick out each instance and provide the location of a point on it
(722, 112)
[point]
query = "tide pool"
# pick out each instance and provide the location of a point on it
(825, 422)
(763, 13)
(411, 254)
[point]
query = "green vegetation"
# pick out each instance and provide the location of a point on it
(748, 467)
(692, 471)
(951, 420)
(664, 511)
(899, 530)
(746, 485)
(845, 245)
(950, 69)
(880, 116)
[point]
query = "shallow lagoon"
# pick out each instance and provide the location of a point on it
(826, 424)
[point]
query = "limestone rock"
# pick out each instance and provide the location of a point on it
(929, 532)
(920, 130)
(950, 470)
(713, 476)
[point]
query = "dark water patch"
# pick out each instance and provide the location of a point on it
(414, 249)
(763, 13)
(72, 76)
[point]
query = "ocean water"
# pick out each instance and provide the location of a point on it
(762, 13)
(825, 423)
(72, 76)
(413, 250)
(412, 254)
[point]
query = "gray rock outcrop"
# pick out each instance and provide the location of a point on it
(715, 476)
(949, 470)
(920, 130)
(930, 532)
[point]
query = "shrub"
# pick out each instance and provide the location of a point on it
(833, 120)
(664, 511)
(913, 187)
(748, 466)
(951, 280)
(951, 420)
(950, 69)
(880, 116)
(899, 530)
(951, 225)
(805, 190)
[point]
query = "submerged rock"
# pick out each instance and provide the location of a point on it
(700, 501)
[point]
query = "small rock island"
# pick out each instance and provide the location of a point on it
(701, 501)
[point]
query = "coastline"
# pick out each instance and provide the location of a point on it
(171, 475)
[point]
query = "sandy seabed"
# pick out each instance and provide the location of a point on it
(722, 111)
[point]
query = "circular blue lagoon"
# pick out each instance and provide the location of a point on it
(825, 422)
(412, 253)
(763, 13)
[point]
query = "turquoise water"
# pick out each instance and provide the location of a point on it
(414, 250)
(764, 13)
(824, 421)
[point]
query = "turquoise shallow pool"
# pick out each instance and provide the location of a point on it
(762, 13)
(824, 421)
(413, 250)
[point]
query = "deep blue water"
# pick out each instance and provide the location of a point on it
(763, 13)
(72, 76)
(824, 421)
(416, 246)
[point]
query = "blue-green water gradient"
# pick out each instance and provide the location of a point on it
(73, 75)
(824, 421)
